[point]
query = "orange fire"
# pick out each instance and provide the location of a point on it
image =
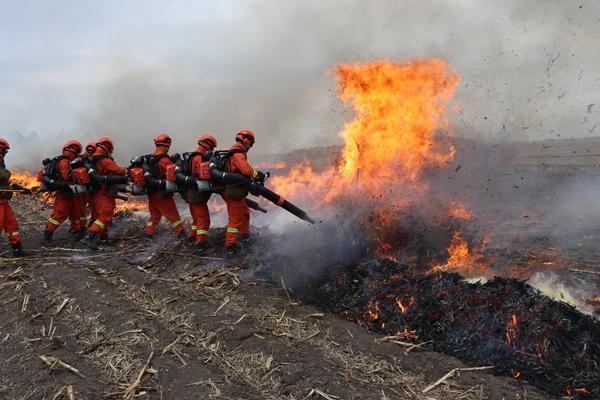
(511, 332)
(461, 259)
(405, 307)
(400, 112)
(271, 165)
(25, 179)
(131, 205)
(460, 211)
(582, 391)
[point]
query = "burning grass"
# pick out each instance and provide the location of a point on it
(504, 322)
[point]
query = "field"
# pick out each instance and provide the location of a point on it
(159, 322)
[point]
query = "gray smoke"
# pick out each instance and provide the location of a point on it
(528, 70)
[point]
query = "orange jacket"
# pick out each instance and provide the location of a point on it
(64, 169)
(238, 162)
(106, 165)
(163, 162)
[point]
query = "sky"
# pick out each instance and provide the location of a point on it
(132, 68)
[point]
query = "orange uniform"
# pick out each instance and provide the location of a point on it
(162, 204)
(65, 204)
(199, 211)
(238, 223)
(8, 221)
(103, 206)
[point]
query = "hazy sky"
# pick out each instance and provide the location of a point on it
(130, 69)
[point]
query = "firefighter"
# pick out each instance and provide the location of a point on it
(90, 148)
(238, 224)
(103, 197)
(160, 202)
(198, 200)
(8, 221)
(66, 205)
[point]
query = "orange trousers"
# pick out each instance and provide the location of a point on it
(163, 207)
(8, 223)
(67, 207)
(238, 222)
(103, 208)
(200, 221)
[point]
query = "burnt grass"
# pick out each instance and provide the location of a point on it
(503, 322)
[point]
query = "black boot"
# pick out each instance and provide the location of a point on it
(247, 240)
(200, 247)
(17, 250)
(103, 239)
(78, 235)
(47, 238)
(90, 241)
(183, 236)
(233, 250)
(149, 239)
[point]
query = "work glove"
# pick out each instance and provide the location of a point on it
(262, 176)
(16, 186)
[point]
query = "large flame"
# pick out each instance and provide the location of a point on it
(399, 110)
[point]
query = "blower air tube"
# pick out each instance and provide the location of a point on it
(259, 190)
(254, 205)
(53, 184)
(155, 184)
(232, 178)
(185, 181)
(109, 180)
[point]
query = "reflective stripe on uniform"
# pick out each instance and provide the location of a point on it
(176, 223)
(254, 174)
(15, 233)
(149, 223)
(202, 232)
(232, 230)
(53, 221)
(193, 227)
(99, 223)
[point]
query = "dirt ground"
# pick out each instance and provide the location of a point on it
(160, 322)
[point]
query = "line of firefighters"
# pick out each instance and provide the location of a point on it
(92, 180)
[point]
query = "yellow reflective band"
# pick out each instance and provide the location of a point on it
(99, 223)
(232, 230)
(149, 223)
(202, 232)
(254, 174)
(193, 227)
(53, 221)
(176, 223)
(15, 233)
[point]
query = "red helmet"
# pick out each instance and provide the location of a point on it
(73, 146)
(106, 143)
(90, 147)
(4, 146)
(162, 139)
(246, 137)
(208, 140)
